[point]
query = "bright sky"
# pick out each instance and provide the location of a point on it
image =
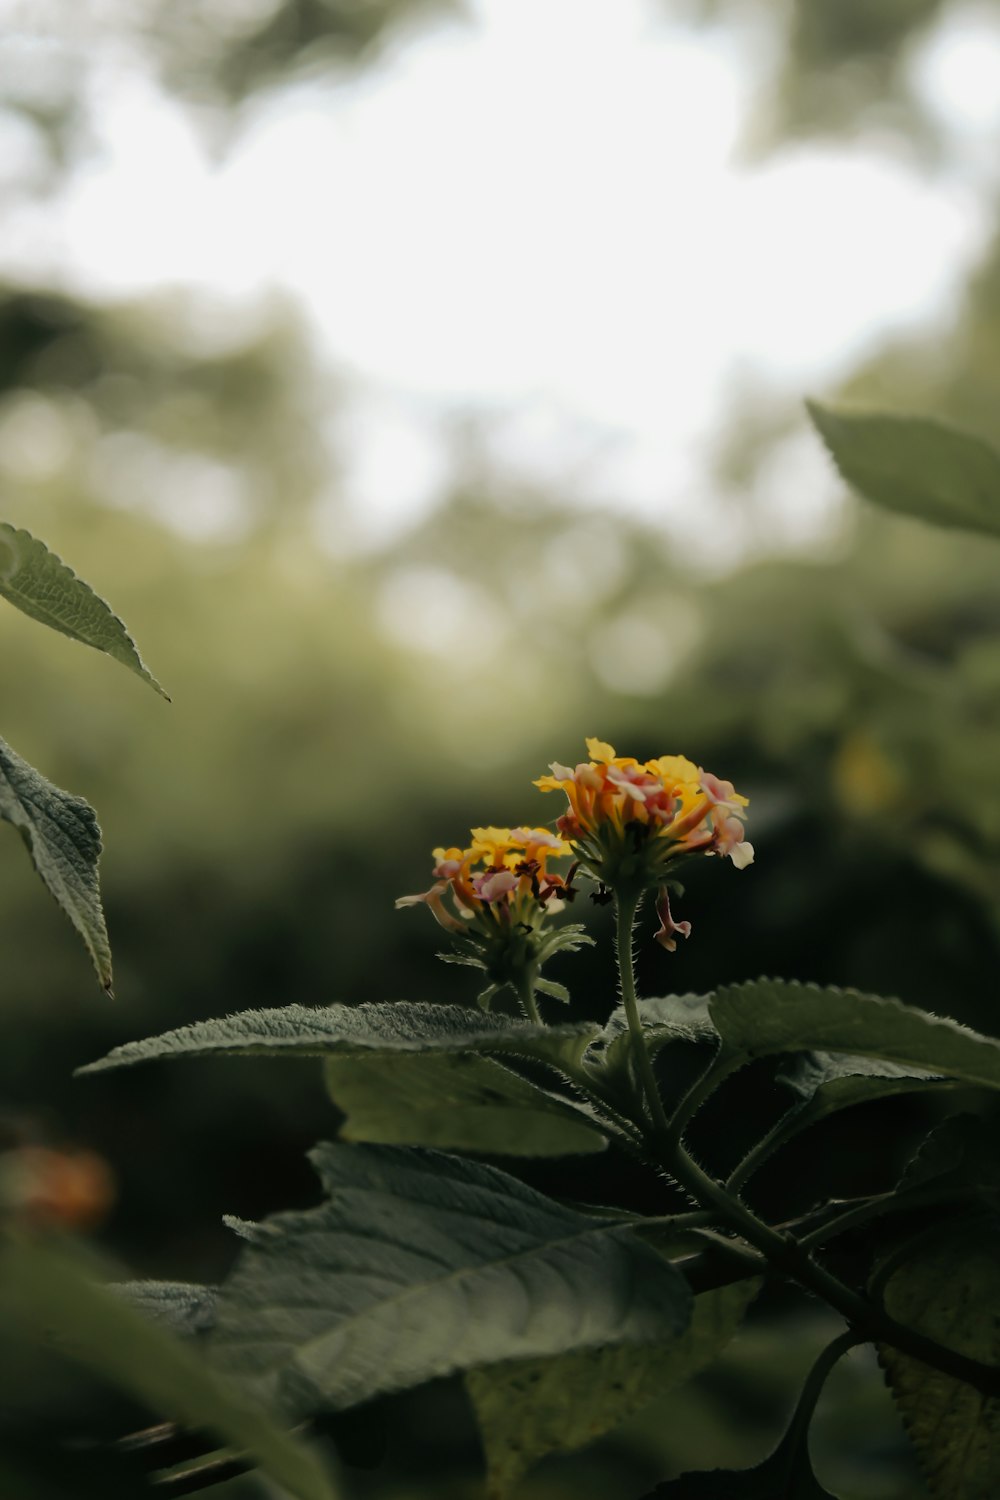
(539, 219)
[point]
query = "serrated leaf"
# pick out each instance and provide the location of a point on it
(181, 1306)
(770, 1016)
(950, 1291)
(375, 1026)
(826, 1083)
(529, 1408)
(41, 585)
(455, 1100)
(62, 836)
(917, 466)
(956, 1155)
(50, 1291)
(421, 1264)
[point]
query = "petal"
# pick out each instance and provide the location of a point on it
(600, 750)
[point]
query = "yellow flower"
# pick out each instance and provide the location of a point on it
(500, 880)
(627, 820)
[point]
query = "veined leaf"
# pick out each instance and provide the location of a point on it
(375, 1026)
(826, 1084)
(64, 841)
(950, 1290)
(421, 1264)
(665, 1018)
(41, 585)
(529, 1408)
(49, 1291)
(455, 1100)
(915, 465)
(770, 1016)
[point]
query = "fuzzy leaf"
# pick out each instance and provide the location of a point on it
(770, 1016)
(180, 1306)
(64, 840)
(376, 1026)
(420, 1264)
(665, 1018)
(455, 1100)
(41, 585)
(950, 1290)
(50, 1292)
(915, 465)
(529, 1408)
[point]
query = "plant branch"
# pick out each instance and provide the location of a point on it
(626, 908)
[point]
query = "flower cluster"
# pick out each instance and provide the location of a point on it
(628, 820)
(501, 880)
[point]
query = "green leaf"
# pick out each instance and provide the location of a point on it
(957, 1156)
(376, 1026)
(64, 841)
(421, 1264)
(915, 465)
(50, 1290)
(40, 584)
(456, 1100)
(826, 1083)
(180, 1306)
(529, 1408)
(770, 1016)
(665, 1018)
(949, 1289)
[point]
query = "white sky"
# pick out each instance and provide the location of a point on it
(538, 219)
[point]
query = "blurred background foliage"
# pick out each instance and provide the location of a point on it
(337, 711)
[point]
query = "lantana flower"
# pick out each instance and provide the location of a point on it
(495, 898)
(630, 822)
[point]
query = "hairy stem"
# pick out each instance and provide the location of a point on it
(625, 913)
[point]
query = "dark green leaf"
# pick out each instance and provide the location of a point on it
(770, 1016)
(319, 1031)
(455, 1100)
(63, 838)
(49, 1290)
(528, 1408)
(949, 1289)
(420, 1264)
(42, 586)
(957, 1155)
(915, 465)
(826, 1083)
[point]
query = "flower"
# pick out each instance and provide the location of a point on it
(629, 821)
(495, 898)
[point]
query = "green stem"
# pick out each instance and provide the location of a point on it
(625, 913)
(722, 1064)
(785, 1254)
(796, 1439)
(524, 988)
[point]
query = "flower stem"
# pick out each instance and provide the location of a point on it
(525, 990)
(625, 913)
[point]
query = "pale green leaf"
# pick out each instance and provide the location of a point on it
(949, 1290)
(376, 1026)
(770, 1016)
(459, 1101)
(41, 585)
(421, 1264)
(529, 1408)
(63, 838)
(915, 465)
(50, 1291)
(182, 1306)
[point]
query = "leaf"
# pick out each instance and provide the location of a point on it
(959, 1156)
(950, 1291)
(770, 1480)
(529, 1408)
(179, 1305)
(665, 1018)
(50, 1290)
(769, 1016)
(456, 1100)
(64, 841)
(826, 1083)
(421, 1264)
(915, 465)
(375, 1026)
(40, 584)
